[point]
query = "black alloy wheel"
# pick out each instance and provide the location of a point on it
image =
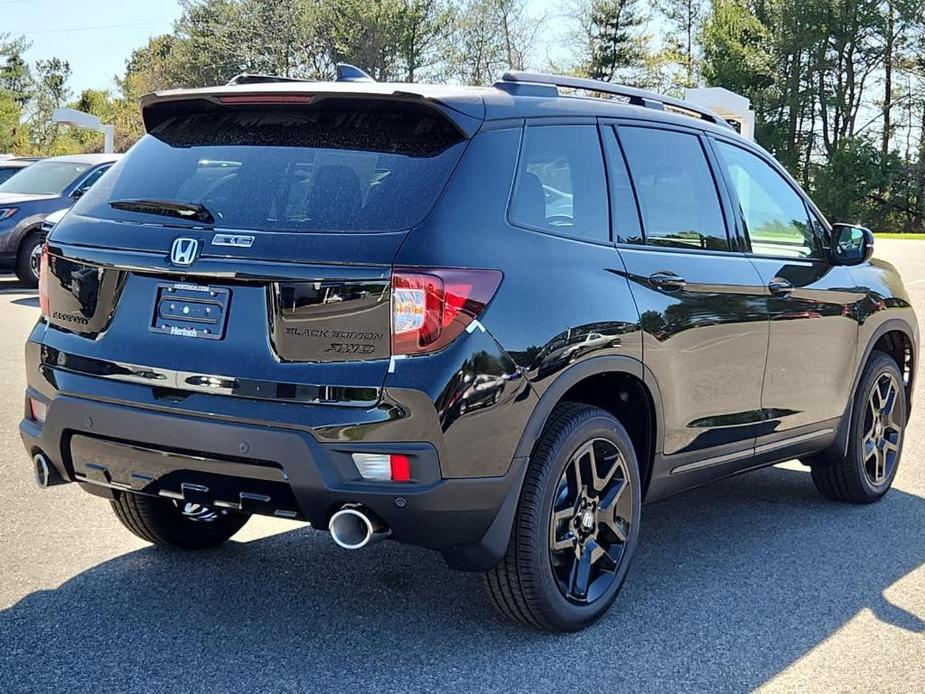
(590, 521)
(882, 429)
(576, 525)
(864, 472)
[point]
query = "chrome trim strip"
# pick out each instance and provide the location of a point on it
(795, 439)
(742, 455)
(718, 460)
(276, 391)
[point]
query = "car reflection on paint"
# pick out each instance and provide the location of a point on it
(484, 391)
(569, 346)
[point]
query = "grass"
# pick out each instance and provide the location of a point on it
(906, 237)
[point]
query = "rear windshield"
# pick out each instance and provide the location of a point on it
(339, 165)
(44, 178)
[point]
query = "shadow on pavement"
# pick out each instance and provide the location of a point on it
(10, 284)
(732, 584)
(30, 301)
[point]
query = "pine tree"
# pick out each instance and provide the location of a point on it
(616, 42)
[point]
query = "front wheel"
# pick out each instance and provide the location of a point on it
(176, 524)
(878, 421)
(28, 259)
(576, 527)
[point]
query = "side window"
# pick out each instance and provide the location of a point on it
(623, 202)
(675, 188)
(775, 216)
(561, 185)
(92, 178)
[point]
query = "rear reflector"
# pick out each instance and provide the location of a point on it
(383, 467)
(43, 281)
(432, 307)
(37, 410)
(401, 468)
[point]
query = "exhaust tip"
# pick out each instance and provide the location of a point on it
(352, 528)
(42, 471)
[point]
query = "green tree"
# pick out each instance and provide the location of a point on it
(616, 44)
(10, 114)
(51, 92)
(846, 183)
(474, 54)
(685, 19)
(487, 37)
(15, 75)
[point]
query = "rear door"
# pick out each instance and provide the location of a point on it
(701, 301)
(812, 303)
(250, 247)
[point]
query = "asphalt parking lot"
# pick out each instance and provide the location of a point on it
(754, 582)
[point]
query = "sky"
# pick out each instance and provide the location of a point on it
(95, 36)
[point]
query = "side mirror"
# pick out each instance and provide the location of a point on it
(852, 245)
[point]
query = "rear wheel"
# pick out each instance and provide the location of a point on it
(878, 422)
(28, 258)
(576, 527)
(174, 523)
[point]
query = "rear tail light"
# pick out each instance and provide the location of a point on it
(431, 307)
(43, 281)
(383, 466)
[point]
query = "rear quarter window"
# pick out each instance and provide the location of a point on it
(342, 165)
(561, 186)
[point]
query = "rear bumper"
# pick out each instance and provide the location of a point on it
(111, 449)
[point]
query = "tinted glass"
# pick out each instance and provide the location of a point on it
(775, 216)
(675, 187)
(341, 165)
(44, 178)
(6, 173)
(561, 184)
(625, 213)
(93, 178)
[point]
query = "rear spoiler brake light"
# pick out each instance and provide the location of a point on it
(266, 99)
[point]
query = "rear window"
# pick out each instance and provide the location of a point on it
(340, 165)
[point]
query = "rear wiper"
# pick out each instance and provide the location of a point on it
(193, 212)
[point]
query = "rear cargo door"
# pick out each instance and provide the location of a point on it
(249, 247)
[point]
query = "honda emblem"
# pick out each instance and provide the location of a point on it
(184, 251)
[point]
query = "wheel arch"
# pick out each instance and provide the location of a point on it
(898, 339)
(615, 384)
(894, 336)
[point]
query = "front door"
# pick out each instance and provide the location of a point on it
(811, 302)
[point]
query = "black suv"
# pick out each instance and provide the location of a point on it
(487, 321)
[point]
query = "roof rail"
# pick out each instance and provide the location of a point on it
(637, 97)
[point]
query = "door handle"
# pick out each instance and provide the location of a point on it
(780, 287)
(669, 281)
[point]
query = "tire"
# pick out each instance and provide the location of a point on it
(866, 472)
(538, 583)
(173, 524)
(24, 270)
